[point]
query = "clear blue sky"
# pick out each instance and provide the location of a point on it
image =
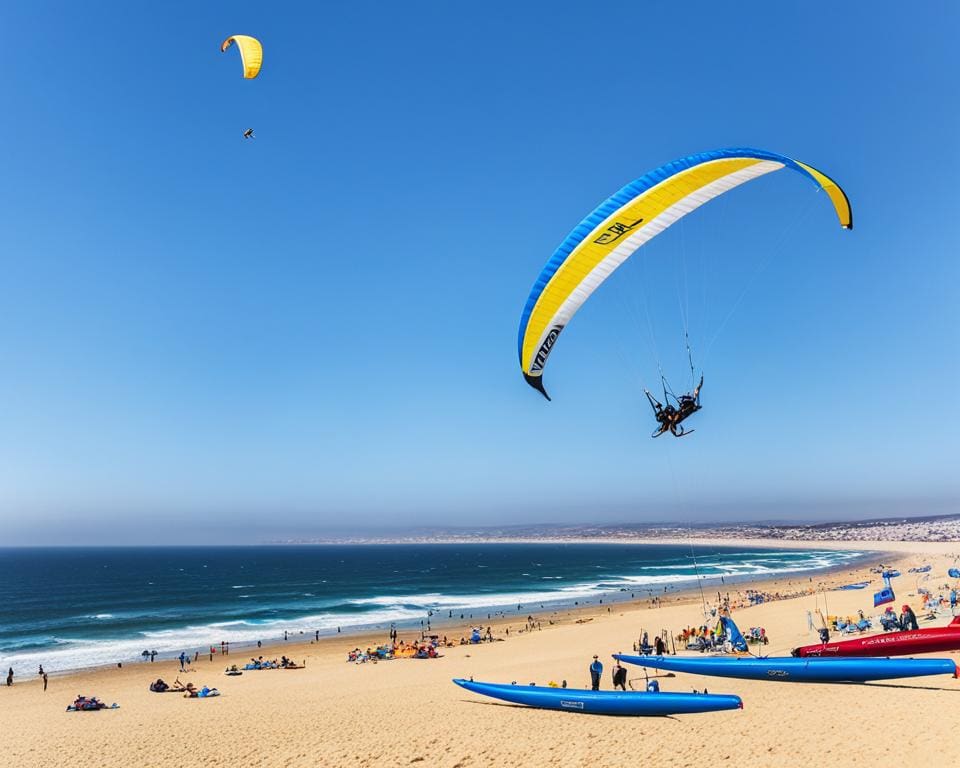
(211, 339)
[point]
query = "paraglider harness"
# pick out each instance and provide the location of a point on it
(670, 417)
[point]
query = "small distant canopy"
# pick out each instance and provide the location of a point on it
(624, 222)
(251, 53)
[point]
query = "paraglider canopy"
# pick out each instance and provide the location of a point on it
(251, 53)
(620, 225)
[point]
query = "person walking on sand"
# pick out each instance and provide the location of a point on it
(596, 670)
(183, 661)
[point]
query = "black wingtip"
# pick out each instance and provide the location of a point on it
(537, 383)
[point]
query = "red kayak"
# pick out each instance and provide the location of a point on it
(930, 640)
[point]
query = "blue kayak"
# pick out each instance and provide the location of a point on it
(800, 670)
(604, 702)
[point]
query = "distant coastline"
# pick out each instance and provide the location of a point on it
(937, 528)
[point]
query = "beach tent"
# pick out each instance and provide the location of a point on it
(885, 595)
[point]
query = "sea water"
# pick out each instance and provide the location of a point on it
(68, 608)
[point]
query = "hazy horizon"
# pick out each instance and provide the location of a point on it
(194, 528)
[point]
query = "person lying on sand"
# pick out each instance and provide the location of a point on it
(199, 693)
(92, 704)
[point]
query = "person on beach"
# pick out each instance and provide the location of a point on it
(183, 661)
(908, 619)
(619, 677)
(658, 646)
(44, 681)
(596, 670)
(10, 677)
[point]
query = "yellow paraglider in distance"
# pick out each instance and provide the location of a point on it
(251, 53)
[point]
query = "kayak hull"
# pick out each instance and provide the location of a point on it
(799, 670)
(906, 643)
(604, 702)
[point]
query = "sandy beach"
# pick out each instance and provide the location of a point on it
(404, 712)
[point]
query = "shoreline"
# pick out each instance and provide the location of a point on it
(691, 592)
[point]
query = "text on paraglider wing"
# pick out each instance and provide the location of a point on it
(541, 357)
(615, 231)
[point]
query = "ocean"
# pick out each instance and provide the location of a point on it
(68, 608)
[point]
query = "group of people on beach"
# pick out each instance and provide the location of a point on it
(398, 649)
(189, 690)
(261, 663)
(41, 673)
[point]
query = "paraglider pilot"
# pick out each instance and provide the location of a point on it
(670, 417)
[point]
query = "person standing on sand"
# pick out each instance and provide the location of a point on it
(619, 677)
(183, 661)
(596, 670)
(10, 677)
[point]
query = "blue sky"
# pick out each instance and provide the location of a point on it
(317, 328)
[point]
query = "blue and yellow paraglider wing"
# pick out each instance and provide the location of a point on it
(624, 222)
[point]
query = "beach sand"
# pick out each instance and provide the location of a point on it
(407, 712)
